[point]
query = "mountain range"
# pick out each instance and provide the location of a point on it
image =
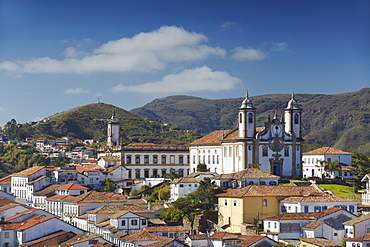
(339, 120)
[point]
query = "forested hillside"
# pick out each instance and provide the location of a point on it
(339, 120)
(90, 121)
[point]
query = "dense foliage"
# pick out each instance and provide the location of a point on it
(340, 120)
(15, 158)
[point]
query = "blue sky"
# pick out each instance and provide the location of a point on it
(56, 55)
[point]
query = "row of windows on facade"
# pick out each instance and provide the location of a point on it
(317, 209)
(312, 160)
(134, 222)
(264, 202)
(155, 173)
(155, 159)
(250, 118)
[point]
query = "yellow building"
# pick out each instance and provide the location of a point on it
(238, 206)
(317, 242)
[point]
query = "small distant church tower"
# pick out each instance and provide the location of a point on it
(292, 116)
(113, 131)
(247, 119)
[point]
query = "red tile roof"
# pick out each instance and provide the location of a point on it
(323, 198)
(313, 225)
(358, 220)
(266, 190)
(165, 229)
(362, 238)
(301, 216)
(322, 242)
(91, 197)
(72, 186)
(6, 180)
(29, 171)
(143, 235)
(249, 240)
(246, 173)
(79, 238)
(327, 150)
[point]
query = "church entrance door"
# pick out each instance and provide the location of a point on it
(276, 169)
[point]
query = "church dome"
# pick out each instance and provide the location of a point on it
(247, 103)
(292, 104)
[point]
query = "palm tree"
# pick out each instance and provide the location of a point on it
(332, 167)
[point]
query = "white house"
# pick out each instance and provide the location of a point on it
(313, 162)
(276, 146)
(365, 193)
(24, 183)
(182, 186)
(360, 241)
(305, 204)
(358, 226)
(289, 225)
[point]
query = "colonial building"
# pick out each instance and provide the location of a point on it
(314, 163)
(276, 146)
(143, 160)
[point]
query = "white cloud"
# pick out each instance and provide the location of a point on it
(226, 25)
(142, 52)
(281, 46)
(77, 90)
(241, 54)
(189, 80)
(73, 52)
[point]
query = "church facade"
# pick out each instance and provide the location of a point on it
(276, 147)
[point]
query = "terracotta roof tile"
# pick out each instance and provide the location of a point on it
(158, 147)
(79, 238)
(357, 220)
(198, 237)
(323, 198)
(59, 197)
(224, 235)
(322, 242)
(157, 221)
(113, 209)
(9, 206)
(249, 240)
(298, 216)
(33, 221)
(72, 186)
(6, 201)
(48, 191)
(266, 190)
(49, 237)
(196, 174)
(313, 225)
(91, 197)
(362, 238)
(160, 243)
(143, 235)
(165, 229)
(246, 173)
(185, 180)
(29, 171)
(327, 150)
(6, 180)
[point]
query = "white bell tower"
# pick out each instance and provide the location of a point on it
(247, 119)
(292, 116)
(113, 131)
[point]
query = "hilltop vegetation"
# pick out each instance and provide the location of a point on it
(340, 120)
(90, 122)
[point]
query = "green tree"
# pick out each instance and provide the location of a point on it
(257, 166)
(332, 167)
(202, 168)
(108, 185)
(361, 163)
(172, 174)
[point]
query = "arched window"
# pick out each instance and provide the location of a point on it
(240, 118)
(296, 119)
(250, 118)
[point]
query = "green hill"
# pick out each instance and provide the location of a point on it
(90, 121)
(339, 120)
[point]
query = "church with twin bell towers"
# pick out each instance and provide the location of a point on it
(275, 147)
